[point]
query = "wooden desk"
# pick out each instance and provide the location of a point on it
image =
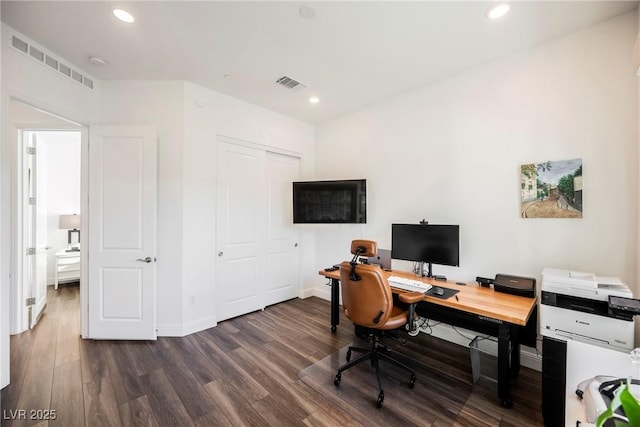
(506, 312)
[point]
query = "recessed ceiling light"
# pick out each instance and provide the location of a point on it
(123, 15)
(228, 77)
(307, 11)
(498, 11)
(314, 100)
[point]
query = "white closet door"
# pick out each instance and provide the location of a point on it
(282, 237)
(240, 230)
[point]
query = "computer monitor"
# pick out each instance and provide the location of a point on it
(428, 243)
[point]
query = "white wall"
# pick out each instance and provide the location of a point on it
(451, 153)
(4, 291)
(62, 150)
(186, 182)
(215, 115)
(158, 104)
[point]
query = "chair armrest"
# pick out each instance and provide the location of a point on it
(411, 298)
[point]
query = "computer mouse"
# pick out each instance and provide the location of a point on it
(437, 290)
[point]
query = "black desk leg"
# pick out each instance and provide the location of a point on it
(515, 352)
(335, 304)
(504, 336)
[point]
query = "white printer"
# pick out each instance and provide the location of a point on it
(575, 305)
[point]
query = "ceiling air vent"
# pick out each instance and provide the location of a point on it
(290, 83)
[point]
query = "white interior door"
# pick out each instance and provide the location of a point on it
(282, 239)
(122, 232)
(34, 195)
(240, 230)
(40, 238)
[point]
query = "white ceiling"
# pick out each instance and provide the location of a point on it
(351, 54)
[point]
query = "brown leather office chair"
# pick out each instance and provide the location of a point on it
(367, 300)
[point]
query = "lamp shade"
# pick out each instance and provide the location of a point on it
(69, 222)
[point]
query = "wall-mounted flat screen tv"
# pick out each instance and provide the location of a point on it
(334, 202)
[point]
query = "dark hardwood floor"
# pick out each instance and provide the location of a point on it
(245, 371)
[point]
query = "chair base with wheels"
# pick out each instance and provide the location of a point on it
(374, 354)
(368, 302)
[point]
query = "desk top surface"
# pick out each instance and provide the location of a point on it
(471, 298)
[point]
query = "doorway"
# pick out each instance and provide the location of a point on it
(46, 184)
(51, 221)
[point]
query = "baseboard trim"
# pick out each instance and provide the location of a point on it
(184, 329)
(306, 293)
(323, 293)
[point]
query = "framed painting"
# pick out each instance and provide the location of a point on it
(551, 189)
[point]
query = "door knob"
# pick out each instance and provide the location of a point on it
(147, 259)
(220, 253)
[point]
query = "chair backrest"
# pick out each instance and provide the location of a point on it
(367, 301)
(364, 247)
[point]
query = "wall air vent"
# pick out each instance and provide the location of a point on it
(21, 45)
(36, 54)
(65, 70)
(290, 83)
(40, 55)
(51, 62)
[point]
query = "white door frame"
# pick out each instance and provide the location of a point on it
(4, 246)
(19, 311)
(11, 214)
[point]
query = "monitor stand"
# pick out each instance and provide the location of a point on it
(420, 272)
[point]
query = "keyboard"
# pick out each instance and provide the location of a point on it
(408, 284)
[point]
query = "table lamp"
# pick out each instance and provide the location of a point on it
(71, 223)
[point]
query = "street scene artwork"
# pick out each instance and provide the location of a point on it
(551, 189)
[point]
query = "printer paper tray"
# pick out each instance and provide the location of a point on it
(603, 331)
(582, 338)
